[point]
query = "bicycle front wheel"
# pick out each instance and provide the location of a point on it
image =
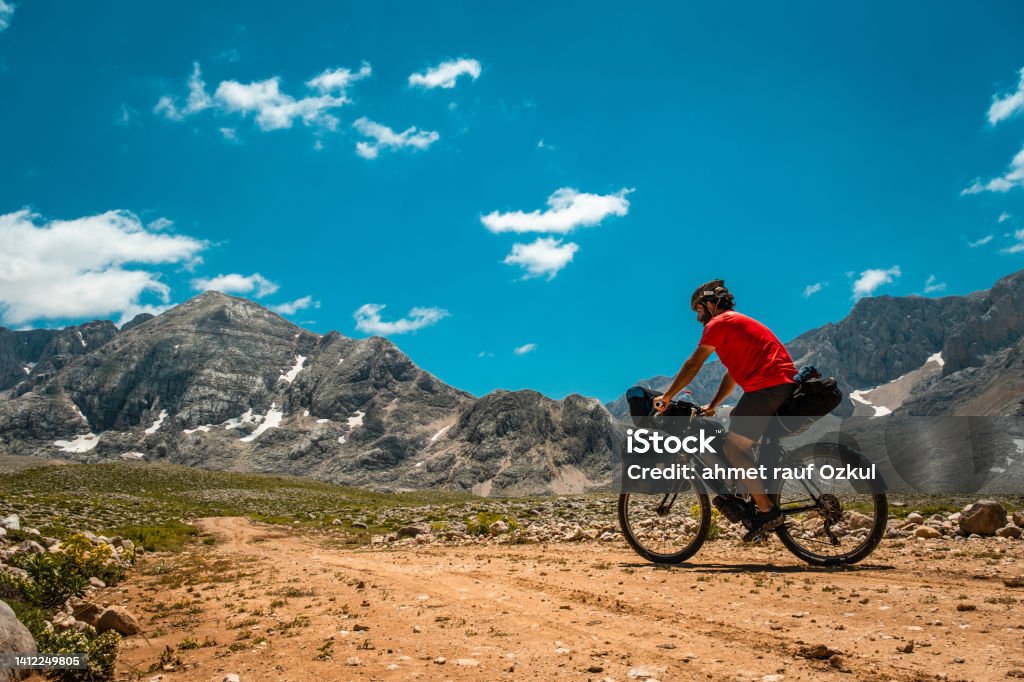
(665, 528)
(830, 523)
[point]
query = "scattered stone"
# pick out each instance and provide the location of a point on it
(232, 677)
(352, 660)
(915, 518)
(11, 522)
(467, 662)
(1013, 582)
(408, 532)
(119, 620)
(97, 583)
(440, 660)
(966, 607)
(1009, 531)
(1018, 518)
(595, 669)
(907, 648)
(30, 547)
(983, 517)
(927, 532)
(497, 528)
(817, 652)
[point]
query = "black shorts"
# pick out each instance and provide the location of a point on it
(756, 410)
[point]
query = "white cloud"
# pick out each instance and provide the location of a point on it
(6, 13)
(338, 80)
(932, 286)
(1008, 105)
(870, 280)
(72, 269)
(445, 74)
(1014, 177)
(1019, 246)
(981, 242)
(159, 224)
(368, 320)
(812, 289)
(272, 108)
(545, 256)
(292, 307)
(386, 138)
(229, 134)
(525, 348)
(1003, 217)
(567, 210)
(197, 100)
(485, 354)
(255, 284)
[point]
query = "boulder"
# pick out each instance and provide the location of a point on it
(915, 518)
(927, 532)
(497, 528)
(86, 612)
(983, 517)
(1018, 518)
(119, 620)
(1009, 531)
(14, 639)
(11, 522)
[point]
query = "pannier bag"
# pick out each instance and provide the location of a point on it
(813, 398)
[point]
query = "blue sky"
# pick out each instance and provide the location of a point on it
(590, 164)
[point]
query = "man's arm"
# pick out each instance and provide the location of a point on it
(724, 389)
(687, 372)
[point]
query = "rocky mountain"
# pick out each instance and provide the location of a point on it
(38, 353)
(973, 343)
(223, 383)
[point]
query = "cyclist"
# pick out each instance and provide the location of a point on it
(755, 359)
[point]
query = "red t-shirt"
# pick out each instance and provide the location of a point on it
(753, 355)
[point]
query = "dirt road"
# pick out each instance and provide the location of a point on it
(285, 605)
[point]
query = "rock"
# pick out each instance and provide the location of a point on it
(30, 547)
(1009, 531)
(984, 517)
(497, 528)
(408, 532)
(927, 532)
(119, 620)
(440, 660)
(232, 677)
(1018, 518)
(14, 638)
(818, 652)
(858, 520)
(3, 532)
(97, 583)
(914, 517)
(352, 660)
(467, 662)
(11, 522)
(86, 612)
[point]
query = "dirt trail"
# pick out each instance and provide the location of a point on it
(580, 611)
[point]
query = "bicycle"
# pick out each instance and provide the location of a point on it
(835, 527)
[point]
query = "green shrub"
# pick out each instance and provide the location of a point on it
(53, 579)
(100, 651)
(481, 522)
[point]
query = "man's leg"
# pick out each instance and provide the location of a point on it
(737, 450)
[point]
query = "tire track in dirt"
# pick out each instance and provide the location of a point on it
(583, 610)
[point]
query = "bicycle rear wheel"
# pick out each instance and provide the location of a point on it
(666, 528)
(830, 523)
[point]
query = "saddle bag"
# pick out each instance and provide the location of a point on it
(813, 398)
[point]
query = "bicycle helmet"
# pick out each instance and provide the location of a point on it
(713, 292)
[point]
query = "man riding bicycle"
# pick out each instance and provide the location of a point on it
(756, 360)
